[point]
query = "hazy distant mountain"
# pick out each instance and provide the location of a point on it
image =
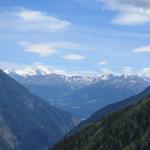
(81, 95)
(26, 121)
(49, 85)
(127, 129)
(91, 98)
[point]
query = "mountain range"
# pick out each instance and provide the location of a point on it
(26, 121)
(80, 95)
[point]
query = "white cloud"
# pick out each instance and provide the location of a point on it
(131, 12)
(144, 49)
(41, 49)
(132, 19)
(73, 57)
(145, 72)
(46, 49)
(31, 20)
(106, 71)
(103, 62)
(32, 16)
(128, 71)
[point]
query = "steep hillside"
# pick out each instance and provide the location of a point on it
(127, 129)
(26, 121)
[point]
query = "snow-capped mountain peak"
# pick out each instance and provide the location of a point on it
(37, 69)
(25, 72)
(30, 71)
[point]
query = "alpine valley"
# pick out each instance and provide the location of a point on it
(74, 74)
(80, 95)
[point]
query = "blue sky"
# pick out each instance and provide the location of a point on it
(74, 35)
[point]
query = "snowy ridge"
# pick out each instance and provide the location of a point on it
(44, 74)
